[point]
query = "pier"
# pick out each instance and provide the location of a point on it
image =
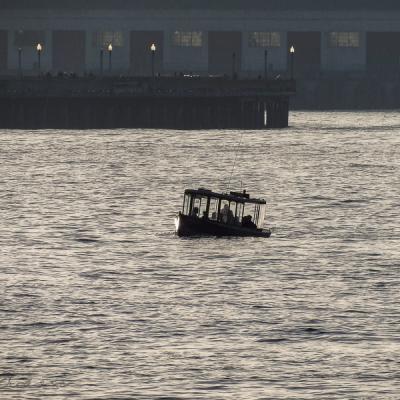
(182, 102)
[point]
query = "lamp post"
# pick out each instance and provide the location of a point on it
(291, 62)
(266, 64)
(20, 61)
(233, 65)
(39, 53)
(153, 49)
(101, 61)
(110, 49)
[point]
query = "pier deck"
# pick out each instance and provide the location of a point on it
(160, 102)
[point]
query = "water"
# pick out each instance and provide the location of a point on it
(100, 300)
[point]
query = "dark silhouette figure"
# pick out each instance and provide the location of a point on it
(248, 223)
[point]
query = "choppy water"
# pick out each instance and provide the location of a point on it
(99, 300)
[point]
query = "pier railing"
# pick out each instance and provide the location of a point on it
(137, 87)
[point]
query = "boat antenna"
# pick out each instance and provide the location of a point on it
(237, 147)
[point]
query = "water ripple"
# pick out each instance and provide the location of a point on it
(100, 300)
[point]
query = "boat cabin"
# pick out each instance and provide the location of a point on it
(235, 208)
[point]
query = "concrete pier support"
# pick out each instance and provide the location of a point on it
(146, 113)
(277, 113)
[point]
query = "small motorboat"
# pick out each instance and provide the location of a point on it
(208, 213)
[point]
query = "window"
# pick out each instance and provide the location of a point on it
(227, 212)
(256, 213)
(29, 38)
(264, 39)
(213, 210)
(223, 212)
(232, 206)
(198, 207)
(248, 215)
(239, 213)
(187, 39)
(103, 39)
(186, 205)
(195, 211)
(203, 207)
(261, 217)
(344, 39)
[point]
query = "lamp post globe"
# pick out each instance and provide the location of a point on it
(39, 49)
(110, 49)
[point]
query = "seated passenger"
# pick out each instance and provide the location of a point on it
(227, 216)
(231, 217)
(195, 212)
(248, 223)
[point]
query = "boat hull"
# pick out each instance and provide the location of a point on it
(193, 226)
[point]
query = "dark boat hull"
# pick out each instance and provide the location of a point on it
(193, 226)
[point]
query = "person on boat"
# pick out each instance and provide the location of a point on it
(227, 215)
(224, 214)
(231, 217)
(248, 223)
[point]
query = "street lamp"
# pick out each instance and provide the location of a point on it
(291, 62)
(233, 65)
(20, 61)
(39, 53)
(110, 49)
(266, 64)
(153, 49)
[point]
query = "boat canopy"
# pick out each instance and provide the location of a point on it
(234, 208)
(242, 197)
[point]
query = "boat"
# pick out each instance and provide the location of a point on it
(208, 213)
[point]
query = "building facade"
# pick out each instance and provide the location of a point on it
(199, 37)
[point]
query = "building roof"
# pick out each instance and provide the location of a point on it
(272, 5)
